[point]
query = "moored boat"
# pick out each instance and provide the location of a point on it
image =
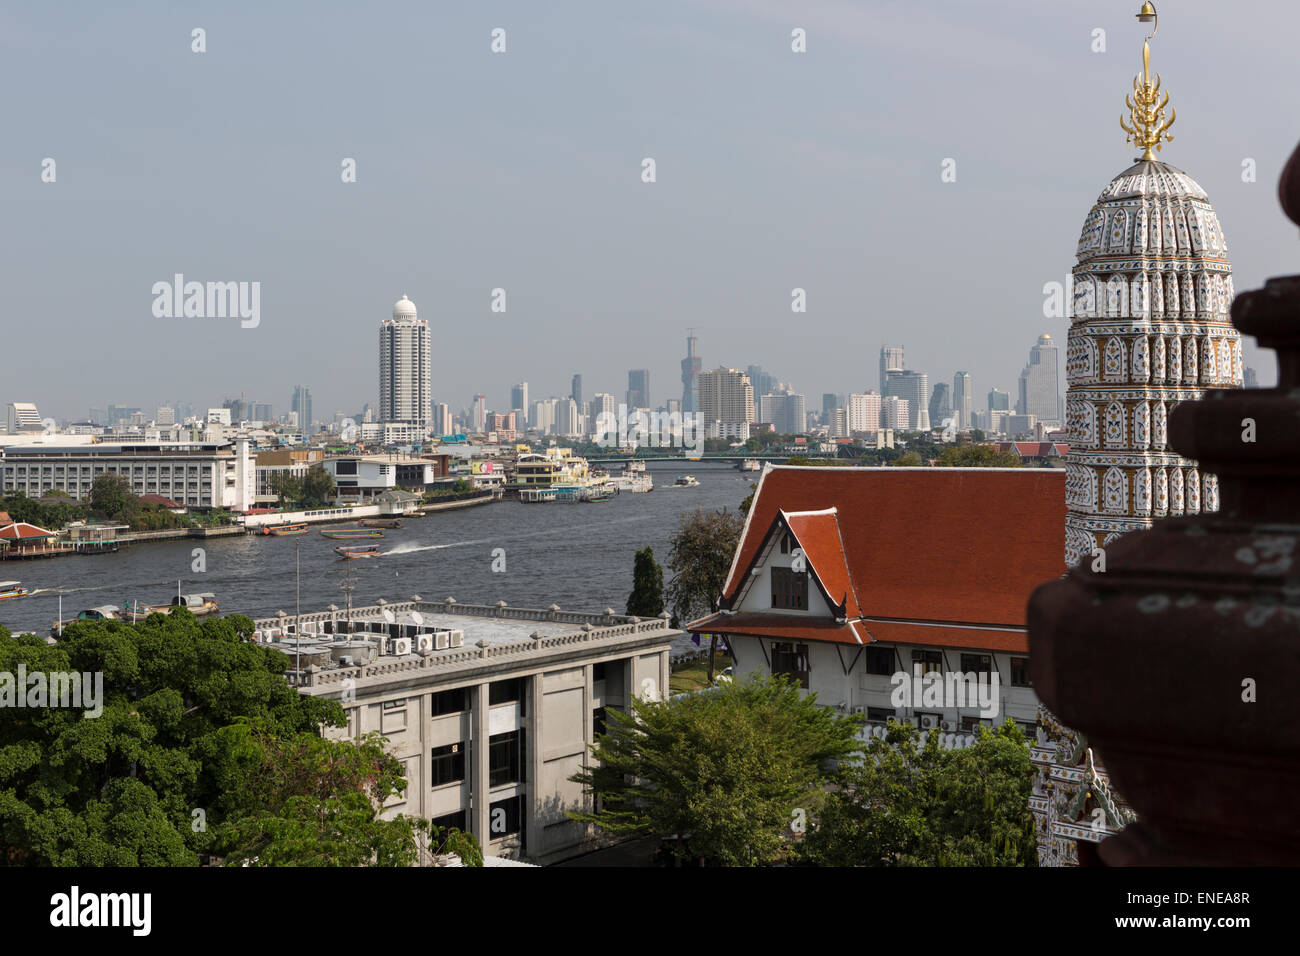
(392, 523)
(12, 589)
(286, 529)
(200, 605)
(105, 612)
(359, 551)
(353, 533)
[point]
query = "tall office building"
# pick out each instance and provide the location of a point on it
(519, 398)
(638, 388)
(726, 395)
(891, 359)
(785, 413)
(478, 413)
(915, 387)
(1040, 389)
(999, 401)
(575, 392)
(301, 405)
(262, 412)
(1250, 379)
(764, 383)
(442, 424)
(863, 413)
(602, 403)
(894, 413)
(940, 404)
(405, 374)
(962, 385)
(690, 377)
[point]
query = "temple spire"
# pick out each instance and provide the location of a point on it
(1147, 126)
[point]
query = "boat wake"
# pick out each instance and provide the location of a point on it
(412, 548)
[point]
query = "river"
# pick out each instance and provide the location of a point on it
(578, 556)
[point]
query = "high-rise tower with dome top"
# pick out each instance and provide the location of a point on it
(1149, 328)
(405, 379)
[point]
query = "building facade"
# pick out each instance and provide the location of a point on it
(726, 396)
(405, 372)
(490, 709)
(1040, 389)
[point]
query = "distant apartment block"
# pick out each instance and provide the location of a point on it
(405, 376)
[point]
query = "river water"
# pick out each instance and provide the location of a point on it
(578, 556)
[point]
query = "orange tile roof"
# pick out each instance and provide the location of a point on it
(818, 534)
(911, 632)
(785, 626)
(958, 545)
(22, 531)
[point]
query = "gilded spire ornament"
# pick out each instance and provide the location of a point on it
(1147, 125)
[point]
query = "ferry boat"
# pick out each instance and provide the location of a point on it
(359, 551)
(603, 494)
(751, 464)
(286, 529)
(353, 533)
(105, 612)
(685, 481)
(12, 589)
(200, 605)
(380, 523)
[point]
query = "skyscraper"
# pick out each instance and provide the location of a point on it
(690, 377)
(726, 395)
(301, 404)
(963, 383)
(405, 376)
(863, 413)
(940, 404)
(786, 413)
(1040, 390)
(999, 400)
(575, 392)
(519, 398)
(891, 358)
(915, 388)
(764, 382)
(478, 413)
(638, 388)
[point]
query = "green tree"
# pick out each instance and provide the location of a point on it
(202, 747)
(908, 459)
(286, 486)
(717, 775)
(647, 597)
(911, 803)
(702, 549)
(976, 456)
(110, 496)
(977, 434)
(317, 487)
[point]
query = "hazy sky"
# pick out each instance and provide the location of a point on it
(522, 170)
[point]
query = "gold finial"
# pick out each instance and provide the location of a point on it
(1147, 125)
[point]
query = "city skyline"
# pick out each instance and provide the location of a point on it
(575, 179)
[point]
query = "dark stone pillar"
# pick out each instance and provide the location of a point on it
(1181, 661)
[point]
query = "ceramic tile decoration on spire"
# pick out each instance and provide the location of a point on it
(1150, 328)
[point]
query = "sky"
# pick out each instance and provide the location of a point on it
(522, 171)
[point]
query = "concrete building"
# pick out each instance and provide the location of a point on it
(359, 477)
(940, 404)
(784, 412)
(22, 417)
(726, 395)
(195, 474)
(862, 413)
(519, 398)
(999, 400)
(895, 414)
(301, 405)
(915, 388)
(490, 709)
(638, 388)
(405, 372)
(575, 390)
(1040, 386)
(690, 376)
(891, 359)
(963, 384)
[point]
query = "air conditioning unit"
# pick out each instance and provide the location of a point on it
(442, 639)
(345, 661)
(948, 725)
(399, 646)
(929, 722)
(910, 721)
(424, 642)
(457, 639)
(859, 709)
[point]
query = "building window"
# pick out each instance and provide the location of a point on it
(506, 691)
(1020, 672)
(789, 589)
(786, 542)
(394, 704)
(880, 660)
(504, 817)
(1030, 730)
(879, 715)
(597, 722)
(598, 672)
(447, 765)
(506, 758)
(451, 821)
(791, 659)
(447, 702)
(977, 663)
(929, 661)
